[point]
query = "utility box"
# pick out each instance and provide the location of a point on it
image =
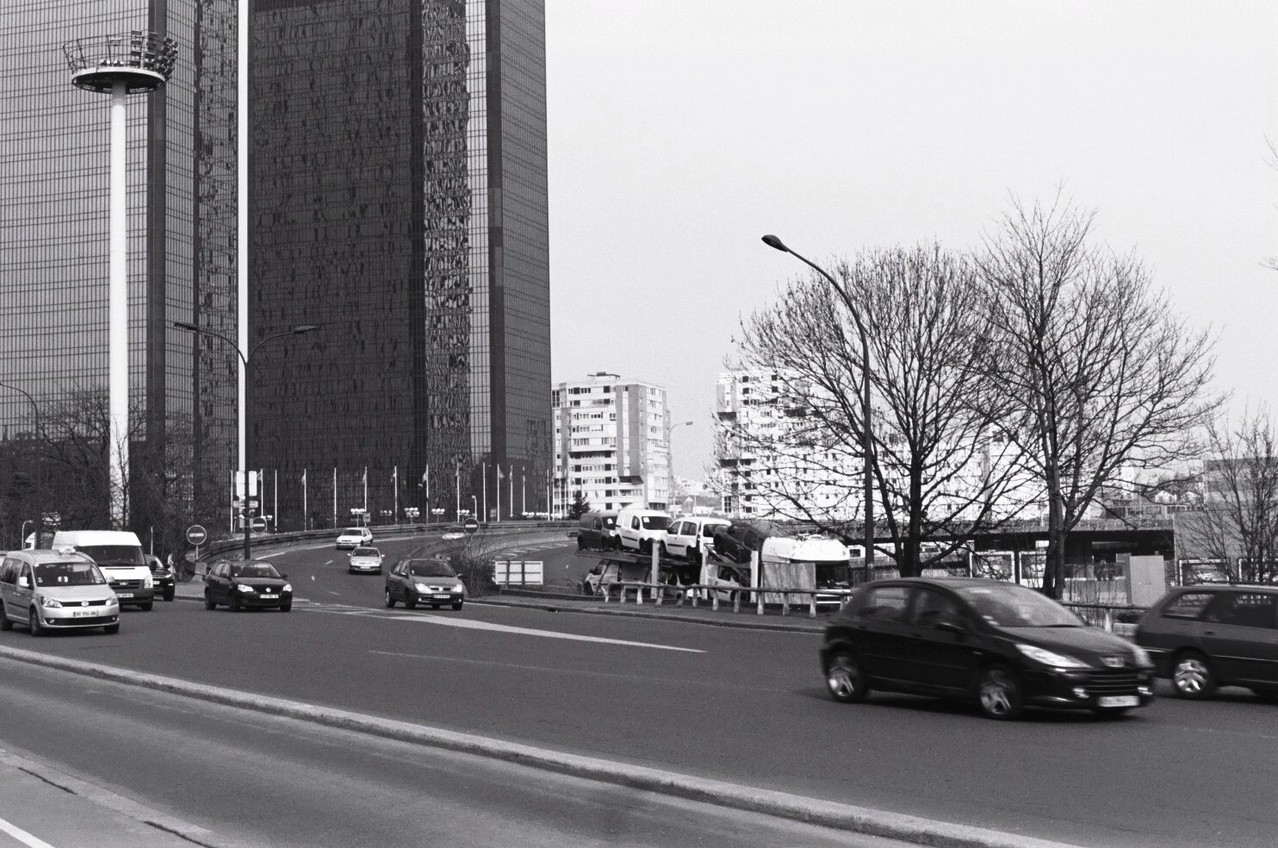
(1146, 580)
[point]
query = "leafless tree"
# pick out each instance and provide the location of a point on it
(1105, 379)
(940, 472)
(1237, 526)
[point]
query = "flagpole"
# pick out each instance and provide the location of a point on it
(334, 497)
(275, 487)
(395, 480)
(306, 513)
(485, 476)
(365, 494)
(498, 498)
(428, 494)
(457, 490)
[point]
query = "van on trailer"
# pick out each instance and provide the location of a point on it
(641, 528)
(118, 554)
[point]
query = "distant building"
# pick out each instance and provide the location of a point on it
(612, 443)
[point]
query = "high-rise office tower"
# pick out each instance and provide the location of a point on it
(54, 162)
(399, 201)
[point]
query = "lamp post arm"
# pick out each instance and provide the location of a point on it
(255, 348)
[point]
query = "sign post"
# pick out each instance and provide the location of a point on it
(470, 526)
(197, 535)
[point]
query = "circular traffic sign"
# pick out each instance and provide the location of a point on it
(470, 525)
(258, 524)
(197, 535)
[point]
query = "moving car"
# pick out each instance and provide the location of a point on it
(55, 590)
(1206, 636)
(354, 537)
(365, 559)
(687, 535)
(163, 580)
(1001, 645)
(242, 585)
(424, 581)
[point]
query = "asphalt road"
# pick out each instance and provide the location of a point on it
(731, 704)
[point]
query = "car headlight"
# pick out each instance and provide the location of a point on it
(1142, 656)
(459, 588)
(49, 602)
(240, 587)
(288, 587)
(147, 583)
(421, 587)
(1046, 657)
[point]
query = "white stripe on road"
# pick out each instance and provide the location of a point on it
(22, 836)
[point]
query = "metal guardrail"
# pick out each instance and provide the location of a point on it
(690, 593)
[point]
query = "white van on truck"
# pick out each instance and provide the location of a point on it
(119, 556)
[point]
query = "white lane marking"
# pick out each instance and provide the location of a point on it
(22, 836)
(470, 624)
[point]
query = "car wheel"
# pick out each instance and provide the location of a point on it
(147, 606)
(234, 603)
(409, 601)
(169, 593)
(208, 600)
(111, 629)
(5, 623)
(999, 693)
(845, 678)
(586, 588)
(1192, 677)
(458, 605)
(581, 544)
(33, 623)
(390, 602)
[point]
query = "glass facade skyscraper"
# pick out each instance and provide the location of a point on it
(54, 162)
(399, 202)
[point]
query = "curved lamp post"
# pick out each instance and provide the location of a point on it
(245, 359)
(867, 439)
(35, 476)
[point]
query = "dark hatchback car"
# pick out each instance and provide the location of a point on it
(424, 581)
(740, 538)
(1001, 645)
(1202, 637)
(247, 585)
(162, 578)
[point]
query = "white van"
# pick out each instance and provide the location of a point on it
(641, 528)
(805, 562)
(687, 536)
(118, 554)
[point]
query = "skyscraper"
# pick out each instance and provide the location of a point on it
(53, 262)
(399, 201)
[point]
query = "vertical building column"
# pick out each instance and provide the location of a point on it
(118, 309)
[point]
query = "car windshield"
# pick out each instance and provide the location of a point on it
(369, 552)
(68, 574)
(432, 568)
(254, 569)
(1015, 606)
(655, 522)
(108, 555)
(353, 531)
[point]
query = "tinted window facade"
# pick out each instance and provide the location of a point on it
(399, 201)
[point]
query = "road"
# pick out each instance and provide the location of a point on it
(731, 704)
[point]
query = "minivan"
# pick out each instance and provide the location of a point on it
(640, 528)
(118, 553)
(55, 590)
(687, 536)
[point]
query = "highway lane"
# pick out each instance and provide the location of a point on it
(732, 704)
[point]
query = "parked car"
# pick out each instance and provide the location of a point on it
(686, 536)
(1001, 645)
(365, 559)
(1205, 636)
(597, 530)
(162, 578)
(244, 585)
(55, 590)
(424, 581)
(354, 537)
(742, 537)
(639, 529)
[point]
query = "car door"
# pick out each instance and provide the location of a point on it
(398, 581)
(884, 632)
(943, 657)
(1240, 636)
(677, 538)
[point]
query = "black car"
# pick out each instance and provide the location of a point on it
(1001, 645)
(242, 585)
(162, 578)
(740, 538)
(1202, 637)
(424, 581)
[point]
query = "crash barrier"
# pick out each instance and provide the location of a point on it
(690, 594)
(517, 572)
(1116, 618)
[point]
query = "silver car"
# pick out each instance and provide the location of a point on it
(365, 559)
(55, 590)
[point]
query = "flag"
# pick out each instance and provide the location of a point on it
(499, 471)
(365, 475)
(303, 476)
(425, 477)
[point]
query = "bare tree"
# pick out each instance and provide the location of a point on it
(939, 472)
(1106, 380)
(1237, 526)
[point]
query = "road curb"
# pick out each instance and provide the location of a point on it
(862, 820)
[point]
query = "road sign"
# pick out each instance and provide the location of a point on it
(259, 524)
(470, 525)
(196, 535)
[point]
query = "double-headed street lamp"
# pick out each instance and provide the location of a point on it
(35, 475)
(242, 405)
(867, 438)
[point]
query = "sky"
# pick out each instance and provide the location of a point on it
(681, 131)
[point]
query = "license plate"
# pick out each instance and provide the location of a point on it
(443, 596)
(83, 613)
(1117, 701)
(124, 594)
(268, 595)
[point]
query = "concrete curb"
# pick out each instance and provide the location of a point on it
(898, 826)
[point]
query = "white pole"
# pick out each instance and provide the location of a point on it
(275, 488)
(457, 490)
(365, 494)
(118, 310)
(242, 226)
(485, 476)
(306, 513)
(497, 494)
(395, 480)
(334, 497)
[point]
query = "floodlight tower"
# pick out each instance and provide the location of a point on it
(119, 65)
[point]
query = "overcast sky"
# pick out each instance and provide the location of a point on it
(683, 130)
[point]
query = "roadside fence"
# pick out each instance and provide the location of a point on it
(696, 593)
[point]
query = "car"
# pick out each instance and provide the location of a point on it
(638, 529)
(354, 537)
(1003, 646)
(365, 559)
(57, 589)
(251, 584)
(162, 578)
(742, 537)
(597, 530)
(452, 535)
(686, 536)
(424, 581)
(1210, 635)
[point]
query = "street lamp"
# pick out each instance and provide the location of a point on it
(867, 439)
(474, 507)
(670, 450)
(35, 475)
(242, 406)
